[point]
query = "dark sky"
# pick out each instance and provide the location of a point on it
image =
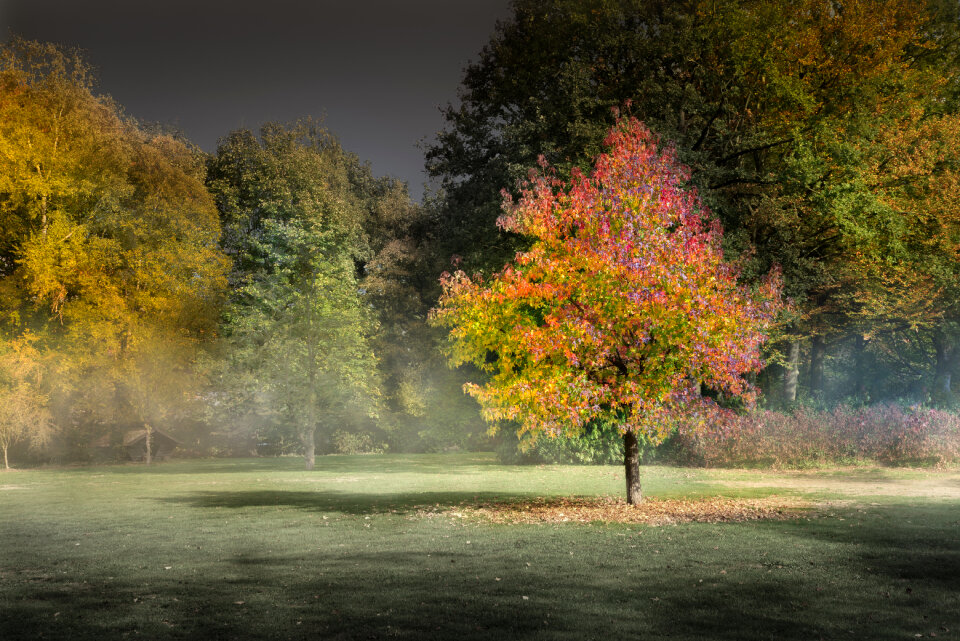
(375, 70)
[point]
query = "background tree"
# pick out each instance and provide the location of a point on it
(23, 405)
(294, 196)
(398, 285)
(297, 329)
(108, 249)
(909, 291)
(424, 408)
(621, 309)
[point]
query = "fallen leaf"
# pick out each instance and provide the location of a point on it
(652, 511)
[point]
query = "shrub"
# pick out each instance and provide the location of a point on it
(356, 443)
(889, 434)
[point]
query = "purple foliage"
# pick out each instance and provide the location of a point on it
(889, 434)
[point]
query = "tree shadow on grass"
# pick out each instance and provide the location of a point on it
(892, 475)
(902, 542)
(488, 594)
(343, 502)
(458, 463)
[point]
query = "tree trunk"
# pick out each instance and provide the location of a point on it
(631, 467)
(309, 448)
(943, 376)
(149, 458)
(818, 350)
(791, 372)
(6, 463)
(860, 369)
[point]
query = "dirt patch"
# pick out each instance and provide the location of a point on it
(652, 511)
(946, 486)
(12, 487)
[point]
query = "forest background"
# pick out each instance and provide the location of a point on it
(273, 297)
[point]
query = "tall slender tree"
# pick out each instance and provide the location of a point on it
(24, 415)
(298, 330)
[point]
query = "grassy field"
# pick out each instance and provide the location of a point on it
(259, 548)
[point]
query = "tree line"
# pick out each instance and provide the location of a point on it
(274, 294)
(263, 295)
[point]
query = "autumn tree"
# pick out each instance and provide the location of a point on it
(24, 415)
(907, 274)
(622, 309)
(108, 243)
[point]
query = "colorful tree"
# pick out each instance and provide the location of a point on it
(621, 310)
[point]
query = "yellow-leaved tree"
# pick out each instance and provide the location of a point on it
(23, 405)
(108, 246)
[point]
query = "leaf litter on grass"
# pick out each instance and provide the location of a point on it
(608, 509)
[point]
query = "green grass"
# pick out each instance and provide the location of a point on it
(241, 549)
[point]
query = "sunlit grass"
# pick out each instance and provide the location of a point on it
(259, 548)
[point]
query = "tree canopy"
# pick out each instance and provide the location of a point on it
(798, 121)
(108, 248)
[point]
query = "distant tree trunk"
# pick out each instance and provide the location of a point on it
(6, 463)
(946, 362)
(309, 435)
(149, 458)
(631, 466)
(860, 368)
(309, 448)
(944, 381)
(791, 372)
(818, 350)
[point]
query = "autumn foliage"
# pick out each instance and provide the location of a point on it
(622, 308)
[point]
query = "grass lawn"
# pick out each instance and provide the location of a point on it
(259, 548)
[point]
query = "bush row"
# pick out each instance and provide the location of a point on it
(888, 434)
